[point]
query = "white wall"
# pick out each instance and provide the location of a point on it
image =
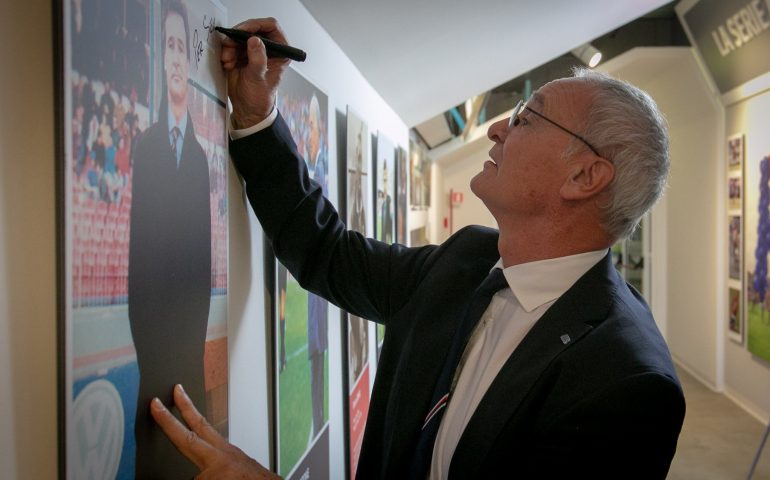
(27, 245)
(692, 247)
(28, 344)
(747, 378)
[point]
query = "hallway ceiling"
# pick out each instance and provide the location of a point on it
(425, 56)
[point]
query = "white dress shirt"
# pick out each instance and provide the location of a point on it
(511, 314)
(245, 132)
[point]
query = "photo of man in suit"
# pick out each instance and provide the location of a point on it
(514, 352)
(169, 273)
(358, 165)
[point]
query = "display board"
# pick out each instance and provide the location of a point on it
(420, 171)
(402, 196)
(144, 225)
(384, 204)
(732, 36)
(735, 186)
(359, 218)
(385, 191)
(301, 341)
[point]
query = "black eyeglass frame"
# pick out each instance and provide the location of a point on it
(514, 121)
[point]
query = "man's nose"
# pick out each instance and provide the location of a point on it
(498, 131)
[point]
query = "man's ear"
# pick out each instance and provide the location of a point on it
(587, 178)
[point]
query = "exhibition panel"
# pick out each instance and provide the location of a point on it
(144, 239)
(384, 203)
(300, 349)
(358, 218)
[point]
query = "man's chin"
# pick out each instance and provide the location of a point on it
(477, 185)
(177, 96)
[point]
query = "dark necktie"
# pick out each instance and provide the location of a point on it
(423, 453)
(175, 134)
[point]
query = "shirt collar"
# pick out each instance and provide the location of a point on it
(172, 122)
(542, 281)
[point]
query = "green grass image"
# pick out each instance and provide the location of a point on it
(294, 403)
(758, 324)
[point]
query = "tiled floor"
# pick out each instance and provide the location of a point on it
(718, 439)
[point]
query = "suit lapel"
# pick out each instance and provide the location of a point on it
(563, 325)
(424, 361)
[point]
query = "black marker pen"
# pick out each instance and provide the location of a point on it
(272, 48)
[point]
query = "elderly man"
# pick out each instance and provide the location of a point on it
(513, 353)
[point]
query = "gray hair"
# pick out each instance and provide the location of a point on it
(625, 125)
(315, 109)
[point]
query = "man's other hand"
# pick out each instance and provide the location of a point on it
(252, 77)
(212, 454)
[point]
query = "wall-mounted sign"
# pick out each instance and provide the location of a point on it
(733, 37)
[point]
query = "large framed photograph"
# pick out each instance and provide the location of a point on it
(143, 240)
(301, 358)
(359, 218)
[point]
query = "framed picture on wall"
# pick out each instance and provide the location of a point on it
(384, 203)
(734, 315)
(301, 359)
(735, 193)
(142, 172)
(419, 175)
(385, 190)
(735, 245)
(359, 217)
(402, 196)
(735, 152)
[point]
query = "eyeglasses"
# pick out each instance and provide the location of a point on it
(514, 121)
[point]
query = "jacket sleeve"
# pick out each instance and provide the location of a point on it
(365, 277)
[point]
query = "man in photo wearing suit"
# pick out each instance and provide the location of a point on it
(518, 353)
(169, 273)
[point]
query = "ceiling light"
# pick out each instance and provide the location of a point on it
(588, 54)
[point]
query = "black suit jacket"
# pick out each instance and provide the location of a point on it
(604, 401)
(169, 285)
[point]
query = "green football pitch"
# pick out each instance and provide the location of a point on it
(758, 329)
(294, 401)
